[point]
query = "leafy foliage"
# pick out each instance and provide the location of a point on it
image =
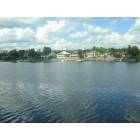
(46, 50)
(80, 53)
(130, 52)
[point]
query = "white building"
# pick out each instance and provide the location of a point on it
(91, 54)
(63, 55)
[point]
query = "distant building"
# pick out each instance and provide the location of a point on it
(63, 55)
(74, 54)
(3, 51)
(90, 54)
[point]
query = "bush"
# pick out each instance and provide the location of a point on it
(137, 58)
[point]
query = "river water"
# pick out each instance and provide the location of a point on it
(70, 92)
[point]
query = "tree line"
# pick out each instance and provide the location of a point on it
(130, 52)
(30, 54)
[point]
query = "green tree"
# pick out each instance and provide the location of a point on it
(132, 51)
(13, 54)
(38, 54)
(21, 54)
(101, 50)
(94, 48)
(112, 51)
(46, 50)
(31, 53)
(80, 53)
(34, 55)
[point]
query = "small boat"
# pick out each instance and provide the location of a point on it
(62, 60)
(79, 60)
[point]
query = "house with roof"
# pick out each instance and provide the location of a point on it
(90, 54)
(63, 55)
(74, 54)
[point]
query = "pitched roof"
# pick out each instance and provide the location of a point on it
(64, 53)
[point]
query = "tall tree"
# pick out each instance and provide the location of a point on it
(46, 50)
(80, 53)
(31, 53)
(21, 54)
(13, 54)
(132, 51)
(112, 51)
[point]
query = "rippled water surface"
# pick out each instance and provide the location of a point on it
(70, 92)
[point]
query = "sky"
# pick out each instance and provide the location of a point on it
(68, 32)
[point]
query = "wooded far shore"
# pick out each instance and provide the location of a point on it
(130, 54)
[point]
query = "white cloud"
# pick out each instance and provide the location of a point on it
(137, 22)
(135, 29)
(8, 35)
(107, 37)
(51, 27)
(25, 35)
(95, 35)
(10, 22)
(61, 43)
(90, 30)
(133, 34)
(8, 46)
(95, 29)
(54, 26)
(128, 37)
(113, 38)
(79, 34)
(61, 33)
(32, 20)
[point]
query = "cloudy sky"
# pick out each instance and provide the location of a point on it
(68, 33)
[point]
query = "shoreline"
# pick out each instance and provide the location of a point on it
(74, 60)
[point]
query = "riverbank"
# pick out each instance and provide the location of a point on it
(107, 59)
(76, 59)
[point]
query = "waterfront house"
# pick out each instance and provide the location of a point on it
(63, 55)
(74, 54)
(90, 54)
(3, 51)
